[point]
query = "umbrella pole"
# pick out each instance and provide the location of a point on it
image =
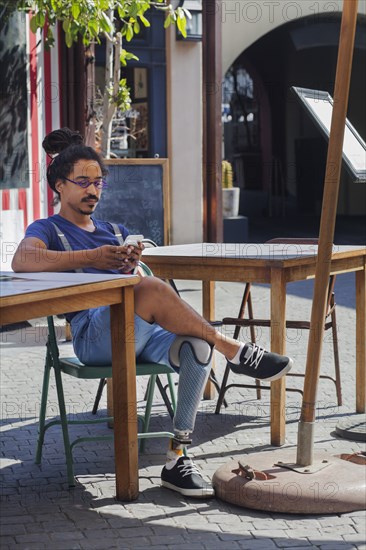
(326, 234)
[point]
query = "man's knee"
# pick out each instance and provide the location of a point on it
(151, 290)
(201, 350)
(147, 284)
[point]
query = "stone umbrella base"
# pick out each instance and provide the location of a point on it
(269, 481)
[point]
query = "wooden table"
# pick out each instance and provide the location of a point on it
(276, 264)
(33, 295)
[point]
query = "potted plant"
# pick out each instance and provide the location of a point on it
(230, 194)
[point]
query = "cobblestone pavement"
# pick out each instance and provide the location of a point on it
(38, 511)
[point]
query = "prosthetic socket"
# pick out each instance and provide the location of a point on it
(192, 357)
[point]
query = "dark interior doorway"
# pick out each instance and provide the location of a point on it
(281, 172)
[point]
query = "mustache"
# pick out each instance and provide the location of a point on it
(88, 197)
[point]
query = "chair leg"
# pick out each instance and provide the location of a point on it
(164, 396)
(253, 338)
(336, 358)
(216, 384)
(102, 383)
(173, 397)
(149, 401)
(43, 408)
(221, 396)
(64, 425)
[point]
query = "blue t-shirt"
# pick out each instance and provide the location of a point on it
(78, 238)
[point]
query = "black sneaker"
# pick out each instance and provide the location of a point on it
(186, 479)
(256, 362)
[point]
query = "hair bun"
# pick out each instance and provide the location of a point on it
(61, 139)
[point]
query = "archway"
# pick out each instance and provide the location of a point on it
(290, 147)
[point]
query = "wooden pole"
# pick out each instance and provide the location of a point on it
(326, 234)
(212, 125)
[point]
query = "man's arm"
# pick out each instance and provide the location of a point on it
(32, 255)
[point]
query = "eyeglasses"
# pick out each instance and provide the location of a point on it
(99, 184)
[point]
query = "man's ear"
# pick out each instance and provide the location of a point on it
(59, 184)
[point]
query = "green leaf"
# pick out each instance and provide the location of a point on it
(122, 58)
(66, 25)
(136, 27)
(144, 20)
(182, 24)
(167, 21)
(68, 39)
(130, 56)
(129, 33)
(75, 10)
(33, 24)
(93, 27)
(40, 17)
(134, 9)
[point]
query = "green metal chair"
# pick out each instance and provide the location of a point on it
(73, 367)
(145, 271)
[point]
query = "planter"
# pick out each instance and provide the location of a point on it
(230, 202)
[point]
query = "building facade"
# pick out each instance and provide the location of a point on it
(277, 153)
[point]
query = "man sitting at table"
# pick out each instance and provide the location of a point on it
(167, 329)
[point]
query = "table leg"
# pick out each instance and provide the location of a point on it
(124, 397)
(208, 312)
(278, 345)
(361, 340)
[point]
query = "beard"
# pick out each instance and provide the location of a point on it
(87, 209)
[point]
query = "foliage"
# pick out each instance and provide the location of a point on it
(90, 19)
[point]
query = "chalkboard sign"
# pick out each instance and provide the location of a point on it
(137, 196)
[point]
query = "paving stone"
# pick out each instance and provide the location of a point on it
(290, 543)
(7, 540)
(185, 547)
(259, 544)
(37, 538)
(12, 529)
(166, 540)
(23, 519)
(356, 539)
(66, 536)
(34, 546)
(229, 545)
(274, 534)
(70, 545)
(335, 546)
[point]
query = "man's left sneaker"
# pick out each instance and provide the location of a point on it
(185, 478)
(257, 362)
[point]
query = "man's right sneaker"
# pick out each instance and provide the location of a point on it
(185, 478)
(257, 362)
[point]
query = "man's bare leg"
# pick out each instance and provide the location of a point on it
(156, 301)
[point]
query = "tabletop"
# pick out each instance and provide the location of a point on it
(12, 284)
(261, 252)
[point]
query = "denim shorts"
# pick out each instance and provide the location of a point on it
(91, 331)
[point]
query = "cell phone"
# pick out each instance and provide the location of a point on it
(133, 240)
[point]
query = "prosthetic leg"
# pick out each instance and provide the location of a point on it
(192, 357)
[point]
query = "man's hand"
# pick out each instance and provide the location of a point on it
(123, 258)
(132, 258)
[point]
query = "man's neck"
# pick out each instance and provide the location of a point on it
(83, 221)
